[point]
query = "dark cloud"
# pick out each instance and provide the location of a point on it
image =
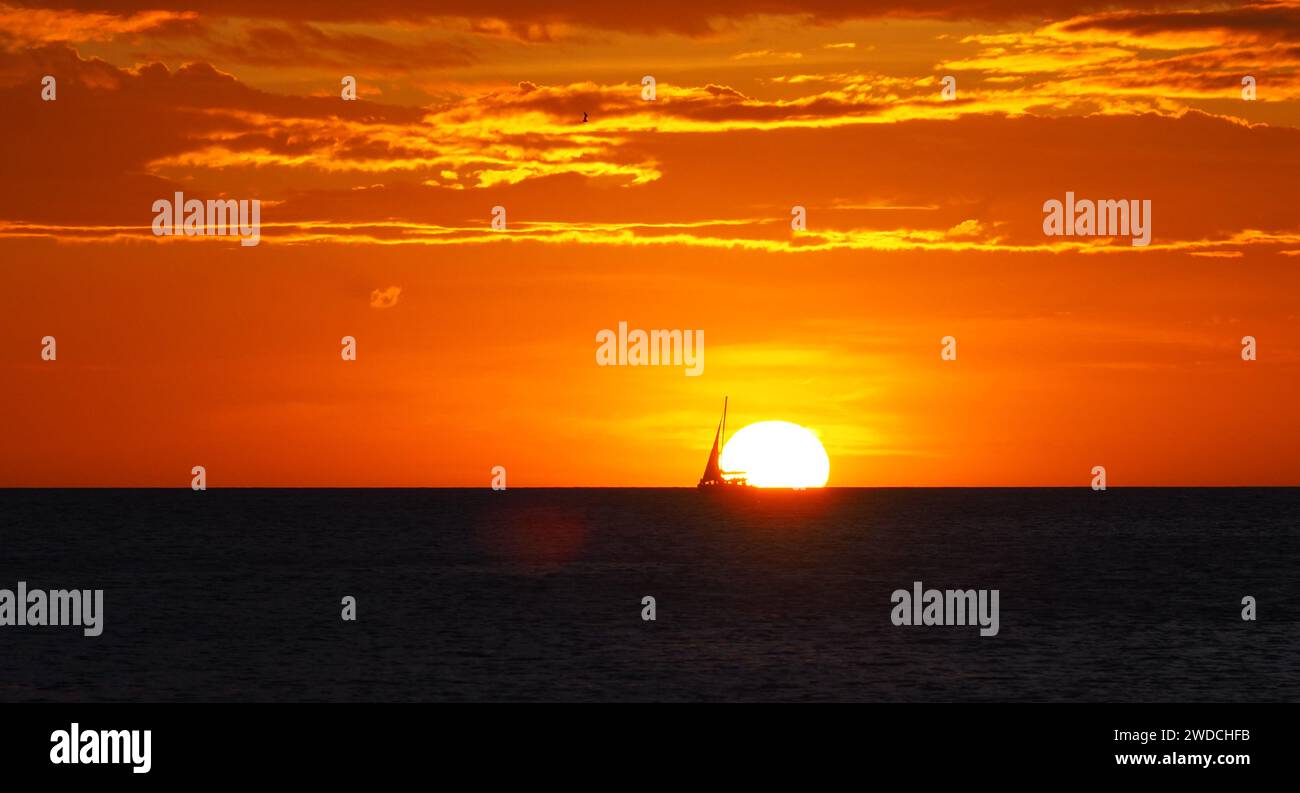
(85, 156)
(301, 43)
(528, 17)
(1265, 21)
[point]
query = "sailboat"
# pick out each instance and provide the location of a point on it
(714, 476)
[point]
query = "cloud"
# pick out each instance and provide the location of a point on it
(1188, 28)
(967, 229)
(90, 155)
(1127, 60)
(966, 175)
(529, 20)
(766, 55)
(300, 44)
(385, 298)
(32, 26)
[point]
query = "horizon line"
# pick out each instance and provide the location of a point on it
(654, 487)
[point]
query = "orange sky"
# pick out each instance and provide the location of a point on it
(924, 221)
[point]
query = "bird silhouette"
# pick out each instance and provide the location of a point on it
(584, 117)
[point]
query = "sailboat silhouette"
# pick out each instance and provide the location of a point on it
(714, 476)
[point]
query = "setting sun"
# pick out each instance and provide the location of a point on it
(777, 454)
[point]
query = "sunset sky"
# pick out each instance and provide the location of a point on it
(476, 347)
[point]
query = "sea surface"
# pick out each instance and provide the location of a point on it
(1122, 595)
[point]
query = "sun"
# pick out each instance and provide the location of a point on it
(777, 454)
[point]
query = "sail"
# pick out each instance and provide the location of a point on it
(711, 471)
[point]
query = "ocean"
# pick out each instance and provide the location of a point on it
(537, 594)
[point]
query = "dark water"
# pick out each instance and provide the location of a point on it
(1125, 595)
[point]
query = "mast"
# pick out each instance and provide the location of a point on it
(724, 420)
